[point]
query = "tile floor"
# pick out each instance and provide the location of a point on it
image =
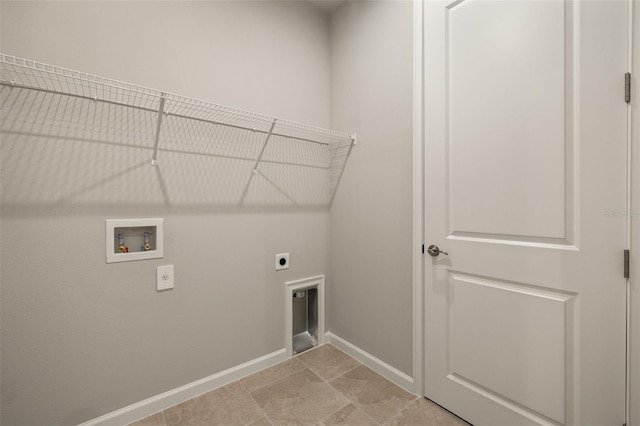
(322, 387)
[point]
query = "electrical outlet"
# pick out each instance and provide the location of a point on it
(282, 261)
(164, 277)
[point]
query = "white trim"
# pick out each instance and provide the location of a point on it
(418, 198)
(396, 376)
(303, 284)
(633, 284)
(180, 394)
(630, 187)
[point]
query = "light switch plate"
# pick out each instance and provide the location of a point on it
(164, 277)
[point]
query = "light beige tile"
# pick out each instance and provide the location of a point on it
(328, 362)
(262, 421)
(153, 420)
(302, 398)
(272, 374)
(348, 416)
(372, 393)
(228, 405)
(426, 413)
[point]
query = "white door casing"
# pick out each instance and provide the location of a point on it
(634, 218)
(525, 156)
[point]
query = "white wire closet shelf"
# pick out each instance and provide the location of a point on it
(51, 101)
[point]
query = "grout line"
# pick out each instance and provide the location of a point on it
(356, 403)
(346, 397)
(258, 405)
(310, 367)
(299, 356)
(351, 369)
(400, 412)
(343, 374)
(303, 367)
(403, 408)
(367, 414)
(348, 402)
(340, 393)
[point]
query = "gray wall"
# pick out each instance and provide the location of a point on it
(81, 338)
(370, 287)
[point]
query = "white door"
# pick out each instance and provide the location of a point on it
(525, 173)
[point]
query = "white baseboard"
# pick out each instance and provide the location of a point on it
(379, 366)
(175, 396)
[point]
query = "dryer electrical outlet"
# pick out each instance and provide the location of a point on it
(282, 261)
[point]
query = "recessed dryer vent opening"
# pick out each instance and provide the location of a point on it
(305, 319)
(304, 302)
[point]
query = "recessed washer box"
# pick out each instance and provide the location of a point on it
(134, 241)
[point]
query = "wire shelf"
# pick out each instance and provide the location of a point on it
(49, 101)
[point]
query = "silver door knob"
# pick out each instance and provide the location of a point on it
(433, 250)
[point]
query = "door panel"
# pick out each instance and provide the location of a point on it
(488, 79)
(525, 144)
(532, 326)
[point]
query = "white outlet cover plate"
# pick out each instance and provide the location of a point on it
(282, 256)
(164, 277)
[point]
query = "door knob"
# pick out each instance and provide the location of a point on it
(433, 250)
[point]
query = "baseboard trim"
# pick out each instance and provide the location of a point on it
(175, 396)
(377, 365)
(180, 394)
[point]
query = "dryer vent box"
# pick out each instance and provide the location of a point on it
(305, 319)
(304, 314)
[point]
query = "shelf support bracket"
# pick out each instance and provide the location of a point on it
(154, 159)
(264, 145)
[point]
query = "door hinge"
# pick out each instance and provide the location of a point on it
(626, 263)
(627, 87)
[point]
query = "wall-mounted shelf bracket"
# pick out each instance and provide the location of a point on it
(154, 159)
(264, 145)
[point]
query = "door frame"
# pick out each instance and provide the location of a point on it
(632, 414)
(633, 284)
(418, 197)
